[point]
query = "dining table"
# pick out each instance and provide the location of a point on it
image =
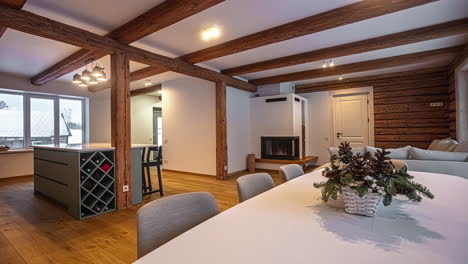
(291, 224)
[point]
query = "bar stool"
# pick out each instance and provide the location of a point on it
(148, 161)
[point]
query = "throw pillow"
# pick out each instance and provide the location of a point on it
(422, 154)
(334, 150)
(396, 153)
(461, 147)
(442, 144)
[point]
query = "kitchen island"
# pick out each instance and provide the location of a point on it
(81, 176)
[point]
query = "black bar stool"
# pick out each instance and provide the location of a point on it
(148, 161)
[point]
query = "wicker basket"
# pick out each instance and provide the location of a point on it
(366, 205)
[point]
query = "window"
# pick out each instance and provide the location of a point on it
(11, 120)
(37, 119)
(71, 121)
(42, 121)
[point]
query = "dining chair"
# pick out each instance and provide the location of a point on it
(252, 185)
(151, 157)
(163, 219)
(289, 172)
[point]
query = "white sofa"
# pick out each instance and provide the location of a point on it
(443, 156)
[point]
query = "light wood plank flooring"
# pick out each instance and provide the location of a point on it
(34, 230)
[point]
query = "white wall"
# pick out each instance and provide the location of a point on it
(189, 125)
(320, 121)
(141, 108)
(238, 128)
(142, 118)
(461, 86)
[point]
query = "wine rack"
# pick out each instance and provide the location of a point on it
(97, 183)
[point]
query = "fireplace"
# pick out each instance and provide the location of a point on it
(280, 148)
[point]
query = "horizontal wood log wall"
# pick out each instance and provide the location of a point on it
(403, 115)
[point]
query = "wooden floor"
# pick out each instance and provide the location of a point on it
(34, 230)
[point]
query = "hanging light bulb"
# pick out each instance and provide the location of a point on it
(324, 64)
(97, 71)
(77, 79)
(147, 83)
(340, 78)
(93, 80)
(103, 77)
(83, 84)
(86, 75)
(331, 63)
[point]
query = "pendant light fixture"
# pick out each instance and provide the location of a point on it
(77, 79)
(90, 77)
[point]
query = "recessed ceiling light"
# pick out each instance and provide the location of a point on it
(210, 33)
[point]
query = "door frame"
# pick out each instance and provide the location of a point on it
(370, 110)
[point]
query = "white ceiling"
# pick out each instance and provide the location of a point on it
(26, 55)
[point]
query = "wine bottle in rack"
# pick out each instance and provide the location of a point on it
(97, 208)
(88, 185)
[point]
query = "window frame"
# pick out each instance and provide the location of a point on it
(27, 96)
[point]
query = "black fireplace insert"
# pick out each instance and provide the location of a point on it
(281, 148)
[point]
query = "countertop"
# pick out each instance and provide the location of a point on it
(87, 147)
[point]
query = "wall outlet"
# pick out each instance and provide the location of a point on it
(436, 104)
(125, 188)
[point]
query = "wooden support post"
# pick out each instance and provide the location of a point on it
(221, 132)
(120, 123)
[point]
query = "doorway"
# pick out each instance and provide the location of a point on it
(157, 126)
(352, 117)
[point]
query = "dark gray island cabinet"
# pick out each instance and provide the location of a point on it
(81, 177)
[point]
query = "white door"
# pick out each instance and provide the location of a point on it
(351, 120)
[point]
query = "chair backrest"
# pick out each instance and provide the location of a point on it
(252, 185)
(164, 219)
(150, 157)
(289, 172)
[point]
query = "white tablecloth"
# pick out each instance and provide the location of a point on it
(290, 224)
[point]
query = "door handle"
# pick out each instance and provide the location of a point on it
(338, 135)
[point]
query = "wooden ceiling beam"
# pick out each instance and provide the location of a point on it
(40, 26)
(145, 90)
(401, 60)
(368, 80)
(349, 14)
(155, 19)
(403, 38)
(16, 4)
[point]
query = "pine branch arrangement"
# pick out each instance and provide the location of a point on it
(364, 173)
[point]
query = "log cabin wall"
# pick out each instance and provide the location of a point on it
(403, 115)
(402, 112)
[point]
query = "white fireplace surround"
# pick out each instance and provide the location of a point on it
(278, 119)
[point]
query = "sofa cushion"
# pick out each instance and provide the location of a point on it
(461, 147)
(442, 144)
(422, 154)
(334, 150)
(395, 153)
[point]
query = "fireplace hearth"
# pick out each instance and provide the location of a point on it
(280, 148)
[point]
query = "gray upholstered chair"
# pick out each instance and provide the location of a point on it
(289, 172)
(252, 185)
(164, 219)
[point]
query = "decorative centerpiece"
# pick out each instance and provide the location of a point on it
(364, 181)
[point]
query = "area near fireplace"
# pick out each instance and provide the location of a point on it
(280, 148)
